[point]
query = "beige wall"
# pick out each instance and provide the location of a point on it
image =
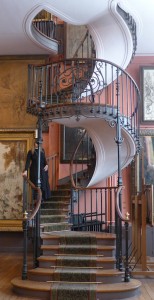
(13, 92)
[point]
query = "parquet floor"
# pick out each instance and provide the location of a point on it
(11, 266)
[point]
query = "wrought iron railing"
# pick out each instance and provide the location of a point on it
(47, 27)
(94, 89)
(93, 209)
(131, 25)
(32, 196)
(89, 87)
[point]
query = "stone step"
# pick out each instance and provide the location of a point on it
(55, 204)
(45, 290)
(60, 191)
(49, 227)
(59, 198)
(78, 249)
(54, 211)
(82, 237)
(76, 261)
(53, 218)
(74, 274)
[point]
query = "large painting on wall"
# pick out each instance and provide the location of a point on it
(147, 88)
(147, 170)
(13, 151)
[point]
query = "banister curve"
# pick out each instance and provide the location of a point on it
(125, 219)
(39, 197)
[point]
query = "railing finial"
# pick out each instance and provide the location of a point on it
(25, 215)
(127, 216)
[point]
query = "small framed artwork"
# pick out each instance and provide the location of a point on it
(70, 138)
(147, 92)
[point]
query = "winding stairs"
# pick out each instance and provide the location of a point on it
(102, 98)
(73, 265)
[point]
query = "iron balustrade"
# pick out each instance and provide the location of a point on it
(46, 27)
(84, 87)
(131, 25)
(32, 196)
(90, 211)
(92, 88)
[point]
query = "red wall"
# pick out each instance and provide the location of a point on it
(52, 139)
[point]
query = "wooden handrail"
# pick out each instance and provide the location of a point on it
(37, 201)
(125, 219)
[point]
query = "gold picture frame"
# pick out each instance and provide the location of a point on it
(147, 92)
(14, 145)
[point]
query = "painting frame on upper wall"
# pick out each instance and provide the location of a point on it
(146, 170)
(147, 95)
(70, 138)
(14, 145)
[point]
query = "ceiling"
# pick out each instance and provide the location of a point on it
(16, 17)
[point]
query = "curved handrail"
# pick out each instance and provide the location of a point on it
(37, 201)
(62, 61)
(48, 30)
(49, 38)
(125, 219)
(90, 76)
(91, 81)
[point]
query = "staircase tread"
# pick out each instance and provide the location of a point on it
(118, 287)
(54, 223)
(30, 284)
(99, 247)
(53, 216)
(60, 196)
(74, 257)
(98, 235)
(54, 209)
(64, 269)
(56, 202)
(100, 287)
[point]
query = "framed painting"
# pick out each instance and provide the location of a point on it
(146, 175)
(13, 150)
(147, 92)
(70, 138)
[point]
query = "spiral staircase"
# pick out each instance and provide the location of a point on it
(95, 95)
(100, 97)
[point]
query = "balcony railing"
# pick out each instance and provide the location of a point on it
(89, 87)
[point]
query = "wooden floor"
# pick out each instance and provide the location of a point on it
(11, 266)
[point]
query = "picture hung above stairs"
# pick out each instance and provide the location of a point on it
(67, 149)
